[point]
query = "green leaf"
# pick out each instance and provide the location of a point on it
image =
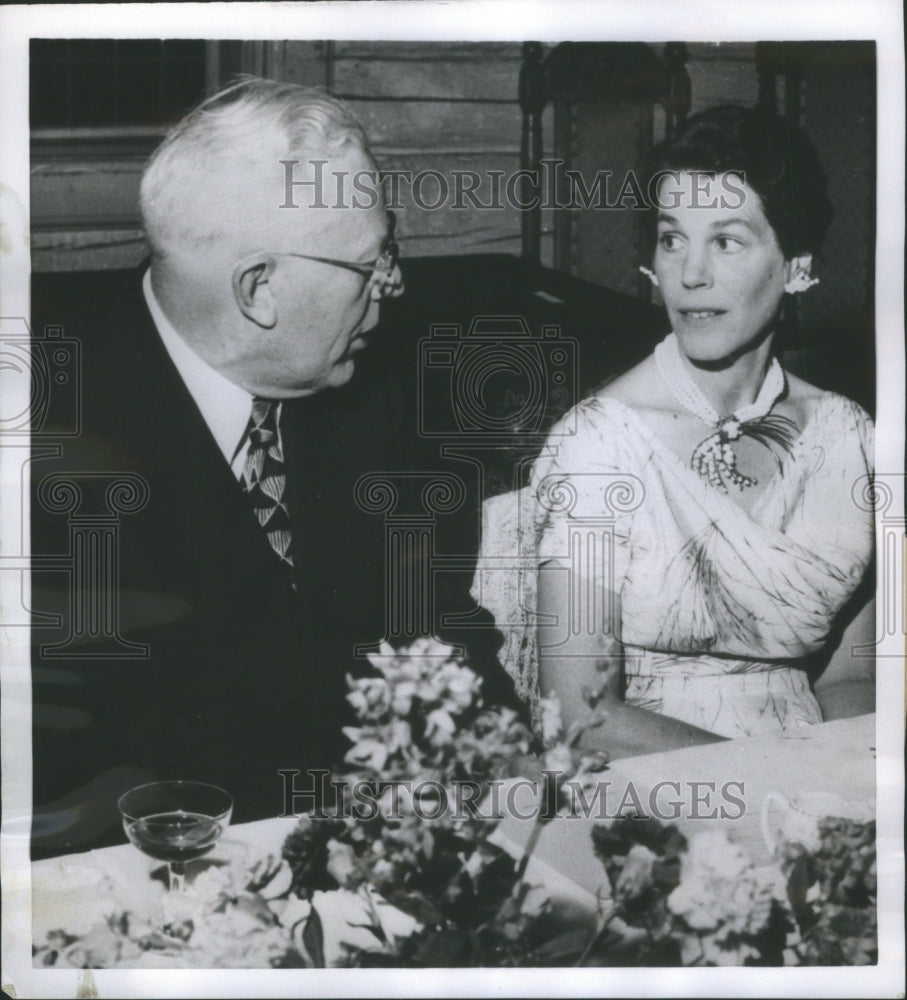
(443, 949)
(313, 939)
(563, 947)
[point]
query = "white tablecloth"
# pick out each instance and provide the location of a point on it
(74, 891)
(837, 758)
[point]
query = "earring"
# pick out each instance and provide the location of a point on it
(800, 282)
(650, 275)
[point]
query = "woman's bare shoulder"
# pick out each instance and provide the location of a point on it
(802, 399)
(800, 390)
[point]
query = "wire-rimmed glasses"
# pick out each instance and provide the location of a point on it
(382, 267)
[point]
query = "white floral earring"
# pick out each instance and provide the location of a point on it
(651, 275)
(800, 282)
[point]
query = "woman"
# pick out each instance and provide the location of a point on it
(697, 540)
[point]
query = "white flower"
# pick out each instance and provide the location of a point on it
(369, 696)
(346, 919)
(439, 726)
(552, 721)
(535, 902)
(239, 937)
(383, 870)
(421, 659)
(211, 883)
(394, 922)
(100, 948)
(400, 737)
(721, 892)
(460, 686)
(366, 751)
(341, 863)
(402, 698)
(636, 874)
(430, 650)
(182, 907)
(558, 758)
(384, 658)
(279, 882)
(714, 851)
(395, 801)
(474, 864)
(292, 912)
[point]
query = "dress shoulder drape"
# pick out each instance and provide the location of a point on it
(719, 606)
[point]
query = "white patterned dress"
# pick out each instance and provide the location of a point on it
(719, 607)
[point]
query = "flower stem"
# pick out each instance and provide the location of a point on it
(529, 848)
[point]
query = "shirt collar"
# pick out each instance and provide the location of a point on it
(224, 406)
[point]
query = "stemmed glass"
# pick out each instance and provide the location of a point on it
(175, 821)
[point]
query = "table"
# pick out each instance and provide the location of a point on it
(735, 776)
(837, 758)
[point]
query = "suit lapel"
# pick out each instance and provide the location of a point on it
(188, 468)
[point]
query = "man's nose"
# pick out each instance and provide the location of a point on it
(697, 270)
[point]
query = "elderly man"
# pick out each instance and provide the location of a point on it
(241, 572)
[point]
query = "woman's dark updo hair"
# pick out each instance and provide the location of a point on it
(776, 160)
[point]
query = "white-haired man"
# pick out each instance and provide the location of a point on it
(248, 572)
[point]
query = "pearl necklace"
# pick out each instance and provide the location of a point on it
(714, 458)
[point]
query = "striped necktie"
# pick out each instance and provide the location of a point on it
(264, 479)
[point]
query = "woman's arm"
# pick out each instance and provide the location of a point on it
(574, 656)
(847, 685)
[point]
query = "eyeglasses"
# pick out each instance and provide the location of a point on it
(381, 267)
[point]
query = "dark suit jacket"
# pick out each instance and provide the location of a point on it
(242, 676)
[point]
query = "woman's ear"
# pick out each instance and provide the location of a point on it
(252, 291)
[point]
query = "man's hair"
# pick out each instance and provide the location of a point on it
(200, 183)
(775, 157)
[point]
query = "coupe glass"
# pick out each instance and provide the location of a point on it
(175, 821)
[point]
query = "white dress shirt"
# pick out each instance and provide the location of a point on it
(224, 406)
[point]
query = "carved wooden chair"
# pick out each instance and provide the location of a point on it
(604, 97)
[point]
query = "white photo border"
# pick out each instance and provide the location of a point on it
(479, 20)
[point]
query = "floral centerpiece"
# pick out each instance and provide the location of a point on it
(401, 866)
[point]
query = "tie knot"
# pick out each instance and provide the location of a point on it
(263, 422)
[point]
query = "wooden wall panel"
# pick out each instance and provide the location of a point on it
(425, 105)
(441, 127)
(485, 79)
(446, 107)
(426, 50)
(85, 195)
(88, 250)
(723, 74)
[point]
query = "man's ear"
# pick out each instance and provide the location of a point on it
(252, 291)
